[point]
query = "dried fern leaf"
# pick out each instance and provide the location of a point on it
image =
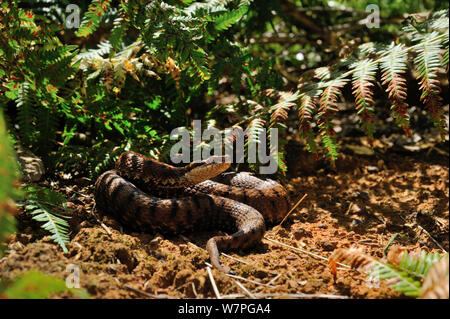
(393, 65)
(353, 257)
(436, 284)
(362, 83)
(279, 111)
(327, 109)
(427, 63)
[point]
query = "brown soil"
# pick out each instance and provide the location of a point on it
(361, 203)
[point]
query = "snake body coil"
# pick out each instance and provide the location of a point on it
(148, 195)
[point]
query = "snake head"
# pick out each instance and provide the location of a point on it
(199, 171)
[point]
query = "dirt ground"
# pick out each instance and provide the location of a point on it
(363, 202)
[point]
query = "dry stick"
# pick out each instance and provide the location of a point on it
(108, 231)
(213, 283)
(274, 279)
(242, 278)
(302, 251)
(271, 295)
(146, 293)
(235, 259)
(249, 280)
(248, 293)
(194, 290)
(189, 241)
(295, 206)
(431, 237)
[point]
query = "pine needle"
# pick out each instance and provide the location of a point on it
(292, 209)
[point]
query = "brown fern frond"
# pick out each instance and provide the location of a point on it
(394, 67)
(436, 284)
(279, 111)
(328, 102)
(254, 106)
(353, 257)
(306, 109)
(428, 62)
(362, 90)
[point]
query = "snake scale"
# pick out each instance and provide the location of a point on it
(146, 195)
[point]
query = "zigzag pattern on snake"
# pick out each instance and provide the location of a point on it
(146, 195)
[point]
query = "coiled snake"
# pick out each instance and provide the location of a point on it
(148, 195)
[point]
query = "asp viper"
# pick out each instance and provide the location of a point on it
(147, 195)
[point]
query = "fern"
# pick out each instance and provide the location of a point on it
(93, 17)
(226, 20)
(327, 108)
(279, 111)
(42, 204)
(393, 66)
(36, 285)
(436, 284)
(427, 63)
(405, 272)
(362, 82)
(26, 116)
(306, 109)
(8, 175)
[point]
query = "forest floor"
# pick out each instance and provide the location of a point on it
(363, 202)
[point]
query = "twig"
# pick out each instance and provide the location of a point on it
(146, 293)
(108, 231)
(249, 280)
(248, 293)
(292, 209)
(274, 279)
(194, 290)
(235, 259)
(189, 241)
(213, 283)
(303, 251)
(271, 295)
(431, 237)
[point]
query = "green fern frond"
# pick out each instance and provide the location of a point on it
(418, 266)
(227, 19)
(93, 17)
(404, 283)
(26, 116)
(446, 48)
(409, 273)
(254, 130)
(119, 30)
(42, 203)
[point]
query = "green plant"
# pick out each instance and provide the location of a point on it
(161, 64)
(36, 285)
(44, 205)
(8, 175)
(407, 273)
